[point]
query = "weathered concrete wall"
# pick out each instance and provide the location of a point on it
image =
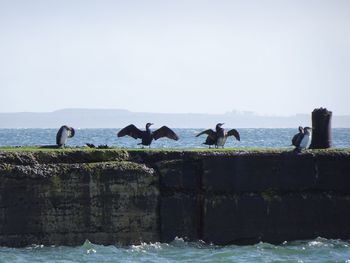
(125, 197)
(247, 197)
(66, 203)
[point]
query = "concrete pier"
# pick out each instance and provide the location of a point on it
(63, 197)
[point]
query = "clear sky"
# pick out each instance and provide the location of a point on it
(271, 57)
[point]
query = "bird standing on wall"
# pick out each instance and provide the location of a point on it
(147, 136)
(302, 140)
(298, 137)
(219, 136)
(63, 134)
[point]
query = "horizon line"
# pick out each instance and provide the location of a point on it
(233, 112)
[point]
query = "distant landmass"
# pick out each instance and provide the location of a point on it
(116, 118)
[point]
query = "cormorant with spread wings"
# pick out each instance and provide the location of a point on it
(147, 136)
(219, 136)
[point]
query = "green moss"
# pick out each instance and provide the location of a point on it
(52, 186)
(89, 155)
(95, 168)
(7, 167)
(271, 195)
(125, 165)
(108, 152)
(34, 149)
(55, 183)
(54, 149)
(208, 150)
(171, 163)
(89, 167)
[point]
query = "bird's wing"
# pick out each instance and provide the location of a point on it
(235, 133)
(58, 135)
(71, 132)
(103, 146)
(298, 137)
(209, 132)
(295, 139)
(164, 131)
(209, 141)
(130, 130)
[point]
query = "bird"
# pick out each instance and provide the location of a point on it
(298, 137)
(101, 146)
(302, 140)
(147, 136)
(219, 136)
(63, 134)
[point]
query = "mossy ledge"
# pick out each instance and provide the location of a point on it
(128, 196)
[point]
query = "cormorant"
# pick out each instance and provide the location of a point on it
(147, 136)
(63, 134)
(219, 136)
(298, 137)
(101, 146)
(302, 139)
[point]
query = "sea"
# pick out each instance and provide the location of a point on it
(179, 250)
(318, 250)
(250, 138)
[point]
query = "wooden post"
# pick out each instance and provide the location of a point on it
(321, 133)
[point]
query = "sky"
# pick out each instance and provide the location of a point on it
(181, 56)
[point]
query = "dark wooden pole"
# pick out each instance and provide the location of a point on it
(321, 133)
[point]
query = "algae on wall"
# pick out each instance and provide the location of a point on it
(67, 203)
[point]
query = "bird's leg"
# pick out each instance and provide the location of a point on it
(297, 150)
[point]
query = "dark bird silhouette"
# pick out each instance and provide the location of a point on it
(219, 136)
(90, 145)
(63, 134)
(298, 137)
(302, 139)
(147, 136)
(101, 146)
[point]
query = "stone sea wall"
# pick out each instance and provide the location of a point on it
(63, 197)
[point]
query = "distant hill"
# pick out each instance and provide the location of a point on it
(116, 118)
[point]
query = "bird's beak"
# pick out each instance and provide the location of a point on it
(151, 124)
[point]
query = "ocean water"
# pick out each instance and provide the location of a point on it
(250, 138)
(317, 250)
